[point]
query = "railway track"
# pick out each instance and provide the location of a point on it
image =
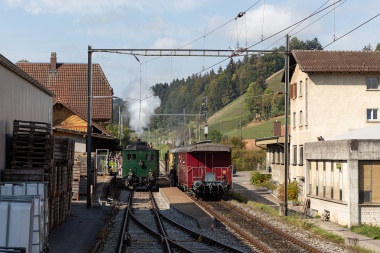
(146, 229)
(260, 233)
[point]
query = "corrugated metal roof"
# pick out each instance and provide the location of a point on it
(69, 83)
(337, 61)
(8, 64)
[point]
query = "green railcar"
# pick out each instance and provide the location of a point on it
(140, 168)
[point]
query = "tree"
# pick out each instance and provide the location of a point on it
(313, 44)
(215, 136)
(377, 47)
(252, 100)
(125, 134)
(367, 48)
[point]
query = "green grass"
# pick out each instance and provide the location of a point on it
(370, 231)
(228, 118)
(274, 82)
(263, 129)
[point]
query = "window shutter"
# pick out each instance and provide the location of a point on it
(295, 90)
(291, 91)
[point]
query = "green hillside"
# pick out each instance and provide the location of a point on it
(228, 119)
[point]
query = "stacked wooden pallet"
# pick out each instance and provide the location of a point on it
(37, 156)
(80, 172)
(60, 180)
(31, 152)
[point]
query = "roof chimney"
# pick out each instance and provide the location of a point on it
(53, 61)
(277, 128)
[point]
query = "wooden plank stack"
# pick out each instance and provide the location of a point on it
(80, 174)
(60, 180)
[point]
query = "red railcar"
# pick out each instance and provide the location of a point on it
(204, 168)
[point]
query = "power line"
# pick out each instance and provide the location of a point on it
(336, 39)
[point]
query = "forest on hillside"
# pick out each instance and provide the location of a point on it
(246, 75)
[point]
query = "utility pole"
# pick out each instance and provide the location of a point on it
(206, 126)
(286, 147)
(89, 137)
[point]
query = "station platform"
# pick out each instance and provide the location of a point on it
(181, 203)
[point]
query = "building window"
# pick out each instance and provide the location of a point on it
(316, 180)
(332, 182)
(369, 182)
(295, 155)
(306, 105)
(300, 88)
(301, 156)
(372, 83)
(301, 119)
(372, 114)
(294, 119)
(324, 179)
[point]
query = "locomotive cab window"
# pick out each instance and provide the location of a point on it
(131, 157)
(149, 157)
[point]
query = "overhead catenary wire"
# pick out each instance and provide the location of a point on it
(336, 39)
(255, 44)
(281, 38)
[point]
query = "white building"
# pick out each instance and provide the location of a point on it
(21, 98)
(332, 94)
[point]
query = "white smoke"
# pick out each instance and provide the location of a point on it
(140, 108)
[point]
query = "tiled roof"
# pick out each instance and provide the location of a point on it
(337, 61)
(69, 83)
(8, 64)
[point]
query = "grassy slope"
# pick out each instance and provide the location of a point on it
(227, 120)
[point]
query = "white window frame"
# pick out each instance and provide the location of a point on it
(301, 119)
(300, 89)
(374, 81)
(371, 116)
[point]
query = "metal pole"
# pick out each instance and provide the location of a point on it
(88, 144)
(184, 126)
(206, 126)
(286, 146)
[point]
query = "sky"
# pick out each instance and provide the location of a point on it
(32, 29)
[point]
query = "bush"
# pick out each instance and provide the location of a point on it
(259, 179)
(293, 191)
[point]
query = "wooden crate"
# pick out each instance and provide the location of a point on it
(20, 175)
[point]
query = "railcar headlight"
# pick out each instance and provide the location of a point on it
(197, 184)
(224, 184)
(151, 176)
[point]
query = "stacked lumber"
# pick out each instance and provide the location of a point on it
(31, 152)
(79, 183)
(60, 181)
(80, 170)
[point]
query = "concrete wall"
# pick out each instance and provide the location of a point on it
(338, 211)
(19, 100)
(349, 153)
